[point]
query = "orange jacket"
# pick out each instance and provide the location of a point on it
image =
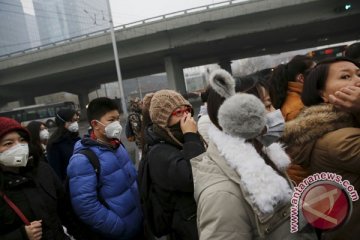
(292, 104)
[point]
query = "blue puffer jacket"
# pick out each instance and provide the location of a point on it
(123, 219)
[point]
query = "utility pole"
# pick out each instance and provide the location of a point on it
(139, 88)
(118, 71)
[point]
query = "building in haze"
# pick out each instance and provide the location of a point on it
(61, 19)
(14, 34)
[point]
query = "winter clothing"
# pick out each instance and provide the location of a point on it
(163, 103)
(134, 124)
(242, 192)
(202, 111)
(323, 139)
(9, 125)
(123, 218)
(171, 175)
(221, 86)
(222, 82)
(245, 109)
(292, 104)
(203, 126)
(60, 151)
(147, 100)
(38, 193)
(234, 204)
(64, 115)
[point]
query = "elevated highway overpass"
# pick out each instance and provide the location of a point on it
(169, 43)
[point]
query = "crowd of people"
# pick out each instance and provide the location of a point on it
(228, 173)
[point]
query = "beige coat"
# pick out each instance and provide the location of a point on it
(226, 210)
(203, 127)
(325, 140)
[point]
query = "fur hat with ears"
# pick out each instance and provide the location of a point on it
(221, 86)
(222, 82)
(242, 115)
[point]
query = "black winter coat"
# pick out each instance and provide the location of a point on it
(59, 153)
(38, 193)
(171, 174)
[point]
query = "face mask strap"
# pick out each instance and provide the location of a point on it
(100, 122)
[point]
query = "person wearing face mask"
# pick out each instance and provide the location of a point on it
(39, 137)
(30, 192)
(61, 143)
(274, 126)
(240, 183)
(170, 142)
(118, 215)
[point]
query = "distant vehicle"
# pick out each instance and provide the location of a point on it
(324, 53)
(41, 112)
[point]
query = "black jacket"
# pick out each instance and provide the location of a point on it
(59, 153)
(171, 174)
(38, 193)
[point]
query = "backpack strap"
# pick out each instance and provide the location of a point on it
(95, 163)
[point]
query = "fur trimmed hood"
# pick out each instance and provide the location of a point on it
(314, 122)
(261, 184)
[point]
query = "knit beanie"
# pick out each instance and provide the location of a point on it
(242, 115)
(8, 125)
(63, 116)
(163, 103)
(147, 100)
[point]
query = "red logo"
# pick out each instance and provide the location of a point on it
(325, 205)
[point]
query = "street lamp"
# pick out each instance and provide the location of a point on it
(117, 64)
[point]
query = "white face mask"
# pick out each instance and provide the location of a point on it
(16, 156)
(44, 134)
(73, 127)
(275, 125)
(112, 130)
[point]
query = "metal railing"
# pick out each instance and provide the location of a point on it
(128, 25)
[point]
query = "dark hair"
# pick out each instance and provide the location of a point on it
(251, 82)
(285, 73)
(353, 51)
(213, 104)
(99, 107)
(34, 129)
(316, 80)
(204, 95)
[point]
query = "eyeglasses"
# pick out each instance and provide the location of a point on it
(180, 112)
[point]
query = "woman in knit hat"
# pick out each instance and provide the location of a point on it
(60, 146)
(240, 183)
(171, 141)
(28, 185)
